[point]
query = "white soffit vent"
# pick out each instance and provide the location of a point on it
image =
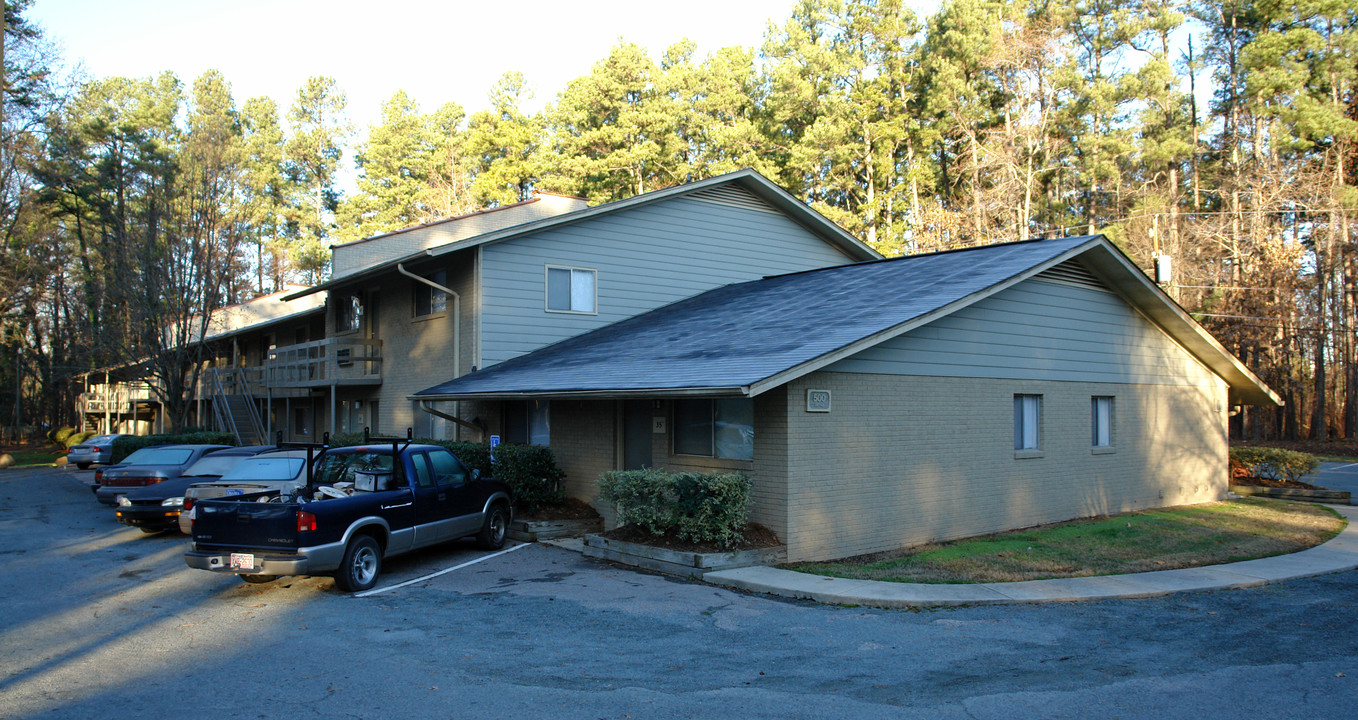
(733, 196)
(1071, 272)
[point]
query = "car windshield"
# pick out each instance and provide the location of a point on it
(215, 464)
(159, 456)
(341, 468)
(271, 468)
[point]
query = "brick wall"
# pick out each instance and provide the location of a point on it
(583, 442)
(903, 460)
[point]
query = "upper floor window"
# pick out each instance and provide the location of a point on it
(570, 289)
(1027, 422)
(429, 301)
(348, 312)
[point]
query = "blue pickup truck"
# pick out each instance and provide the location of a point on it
(360, 505)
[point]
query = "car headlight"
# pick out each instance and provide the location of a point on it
(173, 502)
(123, 501)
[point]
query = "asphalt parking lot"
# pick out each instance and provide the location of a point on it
(1336, 476)
(102, 621)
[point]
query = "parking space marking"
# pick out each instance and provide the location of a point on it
(1341, 467)
(444, 571)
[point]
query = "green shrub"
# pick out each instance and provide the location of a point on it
(76, 438)
(347, 439)
(1275, 463)
(531, 473)
(690, 506)
(60, 434)
(124, 446)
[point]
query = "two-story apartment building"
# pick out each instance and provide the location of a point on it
(725, 325)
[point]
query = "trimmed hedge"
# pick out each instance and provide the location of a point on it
(690, 506)
(76, 438)
(530, 471)
(1275, 463)
(124, 446)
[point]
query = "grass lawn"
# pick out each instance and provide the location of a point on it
(1162, 539)
(36, 458)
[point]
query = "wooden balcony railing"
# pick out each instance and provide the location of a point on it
(333, 361)
(115, 398)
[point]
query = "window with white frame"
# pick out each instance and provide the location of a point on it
(570, 289)
(1101, 419)
(715, 428)
(428, 300)
(1027, 422)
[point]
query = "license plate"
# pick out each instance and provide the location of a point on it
(242, 561)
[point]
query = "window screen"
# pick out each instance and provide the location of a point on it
(1101, 412)
(570, 289)
(1027, 420)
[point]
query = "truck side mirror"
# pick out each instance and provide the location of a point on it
(476, 474)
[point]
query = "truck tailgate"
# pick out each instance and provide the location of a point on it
(238, 523)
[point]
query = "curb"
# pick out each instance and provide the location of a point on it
(1339, 554)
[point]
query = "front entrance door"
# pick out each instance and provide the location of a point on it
(636, 434)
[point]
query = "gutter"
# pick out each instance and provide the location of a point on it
(657, 393)
(427, 405)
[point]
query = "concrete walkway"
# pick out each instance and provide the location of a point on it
(1340, 553)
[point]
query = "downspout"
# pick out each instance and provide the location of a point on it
(427, 406)
(457, 341)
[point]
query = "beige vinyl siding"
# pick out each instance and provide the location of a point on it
(645, 257)
(1039, 330)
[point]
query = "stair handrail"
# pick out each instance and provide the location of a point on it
(256, 422)
(225, 419)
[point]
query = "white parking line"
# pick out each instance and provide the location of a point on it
(1341, 467)
(445, 571)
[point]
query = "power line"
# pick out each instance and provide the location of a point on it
(1208, 213)
(1232, 287)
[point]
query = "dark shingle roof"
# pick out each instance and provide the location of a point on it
(735, 336)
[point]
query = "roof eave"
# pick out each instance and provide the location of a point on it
(360, 275)
(1116, 269)
(266, 323)
(766, 189)
(596, 394)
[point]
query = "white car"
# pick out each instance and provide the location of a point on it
(282, 470)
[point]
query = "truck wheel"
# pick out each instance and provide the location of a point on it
(257, 579)
(362, 562)
(492, 535)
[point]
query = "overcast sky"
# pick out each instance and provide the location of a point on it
(436, 51)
